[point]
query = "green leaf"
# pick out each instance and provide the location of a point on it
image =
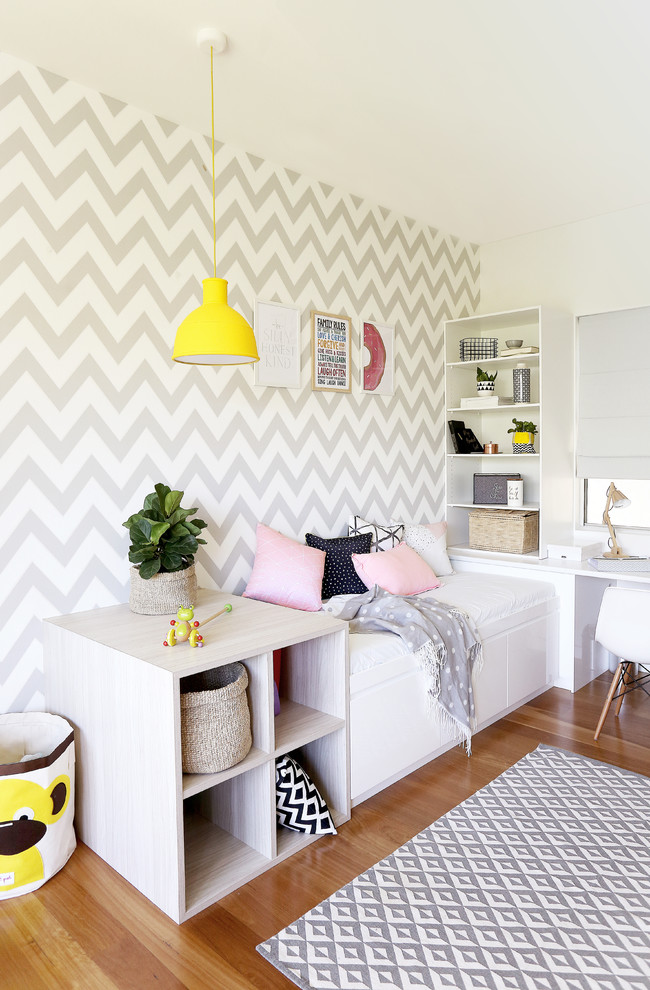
(162, 491)
(172, 502)
(137, 556)
(193, 527)
(185, 546)
(172, 561)
(149, 568)
(154, 514)
(187, 541)
(181, 515)
(151, 502)
(179, 530)
(157, 530)
(143, 526)
(198, 540)
(138, 539)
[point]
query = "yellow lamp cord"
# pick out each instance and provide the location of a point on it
(214, 207)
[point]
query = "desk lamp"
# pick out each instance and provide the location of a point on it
(615, 500)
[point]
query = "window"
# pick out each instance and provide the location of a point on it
(636, 515)
(613, 398)
(614, 414)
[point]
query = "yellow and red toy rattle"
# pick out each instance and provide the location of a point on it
(185, 628)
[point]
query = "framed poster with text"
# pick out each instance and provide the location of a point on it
(277, 334)
(330, 352)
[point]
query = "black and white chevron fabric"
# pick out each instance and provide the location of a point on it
(384, 536)
(299, 804)
(539, 881)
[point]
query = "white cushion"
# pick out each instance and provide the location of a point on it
(430, 541)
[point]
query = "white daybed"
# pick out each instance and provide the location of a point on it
(391, 732)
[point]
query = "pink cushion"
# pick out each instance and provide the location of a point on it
(286, 572)
(401, 571)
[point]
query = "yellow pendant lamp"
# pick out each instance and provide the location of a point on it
(214, 333)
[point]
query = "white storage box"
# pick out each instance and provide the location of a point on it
(565, 552)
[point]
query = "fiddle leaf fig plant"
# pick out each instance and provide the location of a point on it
(163, 538)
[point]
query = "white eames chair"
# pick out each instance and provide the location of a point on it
(623, 628)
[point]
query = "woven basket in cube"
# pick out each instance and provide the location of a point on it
(215, 719)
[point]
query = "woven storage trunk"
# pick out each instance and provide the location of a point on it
(509, 530)
(215, 719)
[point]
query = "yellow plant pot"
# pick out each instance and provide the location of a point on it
(523, 443)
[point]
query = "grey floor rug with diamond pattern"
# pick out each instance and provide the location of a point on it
(539, 881)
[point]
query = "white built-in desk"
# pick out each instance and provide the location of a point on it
(184, 840)
(580, 588)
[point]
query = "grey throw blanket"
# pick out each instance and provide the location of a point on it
(444, 641)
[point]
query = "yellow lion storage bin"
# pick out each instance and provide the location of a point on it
(36, 800)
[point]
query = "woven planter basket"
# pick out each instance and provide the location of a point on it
(163, 594)
(215, 719)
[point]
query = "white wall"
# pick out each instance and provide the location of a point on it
(591, 266)
(587, 267)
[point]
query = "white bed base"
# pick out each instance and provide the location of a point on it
(391, 733)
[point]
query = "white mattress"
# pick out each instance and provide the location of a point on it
(485, 597)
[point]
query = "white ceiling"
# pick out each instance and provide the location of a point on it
(485, 118)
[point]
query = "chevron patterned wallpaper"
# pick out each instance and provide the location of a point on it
(106, 235)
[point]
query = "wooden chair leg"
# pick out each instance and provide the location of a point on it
(608, 700)
(627, 679)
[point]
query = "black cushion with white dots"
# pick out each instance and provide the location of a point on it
(339, 576)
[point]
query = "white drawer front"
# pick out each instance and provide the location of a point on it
(527, 660)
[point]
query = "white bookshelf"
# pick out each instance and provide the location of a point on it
(185, 840)
(548, 473)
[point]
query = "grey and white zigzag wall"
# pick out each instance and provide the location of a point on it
(105, 217)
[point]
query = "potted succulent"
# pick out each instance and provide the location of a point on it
(163, 543)
(523, 439)
(485, 381)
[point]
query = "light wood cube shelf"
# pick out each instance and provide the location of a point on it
(185, 840)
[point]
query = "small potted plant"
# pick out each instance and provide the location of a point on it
(163, 543)
(485, 381)
(523, 439)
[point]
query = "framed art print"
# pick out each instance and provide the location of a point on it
(330, 352)
(277, 333)
(378, 358)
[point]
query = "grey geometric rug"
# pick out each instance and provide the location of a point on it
(539, 881)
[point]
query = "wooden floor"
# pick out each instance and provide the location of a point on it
(88, 928)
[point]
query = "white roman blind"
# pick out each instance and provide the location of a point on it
(614, 395)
